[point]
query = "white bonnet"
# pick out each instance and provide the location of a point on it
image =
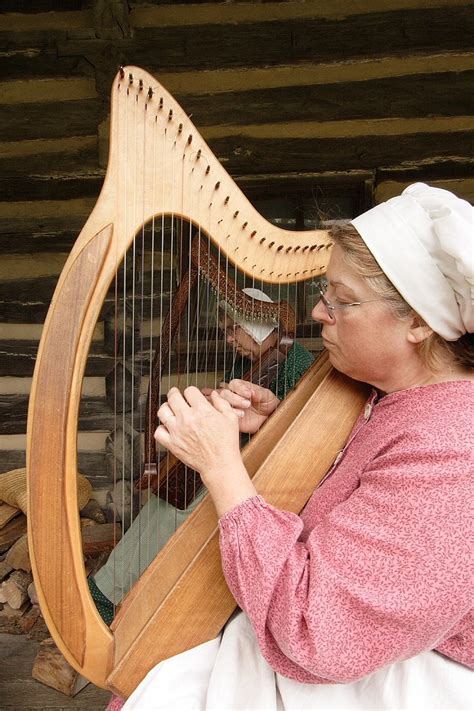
(423, 241)
(257, 329)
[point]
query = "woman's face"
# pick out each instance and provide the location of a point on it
(240, 340)
(367, 342)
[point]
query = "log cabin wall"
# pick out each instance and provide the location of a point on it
(334, 102)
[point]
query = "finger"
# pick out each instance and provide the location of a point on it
(176, 401)
(162, 436)
(223, 405)
(234, 399)
(165, 414)
(241, 387)
(194, 396)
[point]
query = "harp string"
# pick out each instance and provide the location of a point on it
(200, 317)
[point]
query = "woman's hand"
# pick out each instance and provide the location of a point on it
(204, 434)
(251, 402)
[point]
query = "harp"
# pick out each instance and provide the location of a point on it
(161, 169)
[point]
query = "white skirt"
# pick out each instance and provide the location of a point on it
(229, 674)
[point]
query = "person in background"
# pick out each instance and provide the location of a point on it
(251, 340)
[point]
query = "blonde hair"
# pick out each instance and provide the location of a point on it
(434, 350)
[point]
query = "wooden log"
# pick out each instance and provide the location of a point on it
(100, 537)
(404, 96)
(92, 463)
(39, 631)
(63, 187)
(93, 511)
(246, 154)
(32, 594)
(5, 570)
(10, 619)
(49, 120)
(277, 42)
(52, 669)
(18, 357)
(14, 590)
(12, 532)
(18, 556)
(29, 619)
(7, 513)
(95, 414)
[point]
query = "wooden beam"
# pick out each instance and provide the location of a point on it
(273, 42)
(197, 13)
(213, 81)
(95, 414)
(17, 358)
(78, 117)
(405, 97)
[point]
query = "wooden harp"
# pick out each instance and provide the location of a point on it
(182, 599)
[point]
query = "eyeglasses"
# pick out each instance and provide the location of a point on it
(331, 308)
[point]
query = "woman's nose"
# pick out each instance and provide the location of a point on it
(230, 338)
(321, 314)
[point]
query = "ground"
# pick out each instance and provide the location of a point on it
(19, 691)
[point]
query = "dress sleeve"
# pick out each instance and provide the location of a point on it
(380, 578)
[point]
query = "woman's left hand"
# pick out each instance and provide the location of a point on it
(203, 432)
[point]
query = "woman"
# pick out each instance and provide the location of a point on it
(345, 603)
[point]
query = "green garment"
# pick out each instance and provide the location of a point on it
(296, 364)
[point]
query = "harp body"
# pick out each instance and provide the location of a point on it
(154, 148)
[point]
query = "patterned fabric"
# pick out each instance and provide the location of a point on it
(104, 606)
(378, 567)
(296, 364)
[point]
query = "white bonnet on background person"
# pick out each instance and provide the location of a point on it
(423, 241)
(256, 328)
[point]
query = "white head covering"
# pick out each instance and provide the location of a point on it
(423, 241)
(258, 330)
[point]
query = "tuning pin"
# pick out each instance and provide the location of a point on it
(170, 115)
(140, 85)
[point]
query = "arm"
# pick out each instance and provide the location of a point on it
(385, 575)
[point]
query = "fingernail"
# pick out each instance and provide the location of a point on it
(246, 403)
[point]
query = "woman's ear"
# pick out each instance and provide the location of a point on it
(418, 330)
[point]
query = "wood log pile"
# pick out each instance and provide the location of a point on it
(20, 612)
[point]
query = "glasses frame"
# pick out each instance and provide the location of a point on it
(332, 308)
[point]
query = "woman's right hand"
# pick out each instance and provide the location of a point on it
(252, 403)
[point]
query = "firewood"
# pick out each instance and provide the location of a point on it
(52, 669)
(96, 539)
(32, 594)
(14, 590)
(18, 556)
(29, 619)
(39, 631)
(7, 512)
(12, 532)
(5, 570)
(10, 618)
(93, 511)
